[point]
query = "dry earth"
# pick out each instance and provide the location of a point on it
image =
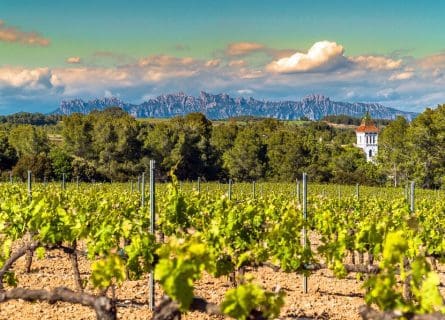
(328, 297)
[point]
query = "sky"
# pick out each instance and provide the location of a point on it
(388, 52)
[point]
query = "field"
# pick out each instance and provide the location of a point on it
(240, 248)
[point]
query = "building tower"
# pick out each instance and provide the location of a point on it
(367, 137)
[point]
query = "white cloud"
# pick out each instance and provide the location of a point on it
(213, 63)
(237, 63)
(436, 61)
(160, 75)
(24, 89)
(323, 55)
(376, 62)
(109, 94)
(386, 93)
(73, 60)
(27, 78)
(405, 75)
(93, 80)
(325, 69)
(243, 48)
(15, 35)
(327, 56)
(246, 73)
(161, 67)
(164, 61)
(245, 91)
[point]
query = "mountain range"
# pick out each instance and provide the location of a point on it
(222, 106)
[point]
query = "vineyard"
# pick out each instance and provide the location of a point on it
(220, 250)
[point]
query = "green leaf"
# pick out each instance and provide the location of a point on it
(107, 271)
(241, 301)
(40, 253)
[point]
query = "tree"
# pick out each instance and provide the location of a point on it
(159, 141)
(319, 168)
(350, 166)
(32, 146)
(28, 140)
(108, 140)
(393, 152)
(40, 166)
(8, 155)
(287, 154)
(426, 140)
(115, 143)
(37, 119)
(85, 170)
(193, 148)
(222, 140)
(183, 143)
(61, 163)
(77, 131)
(247, 159)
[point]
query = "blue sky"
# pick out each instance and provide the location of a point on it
(372, 51)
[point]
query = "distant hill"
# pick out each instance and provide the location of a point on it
(222, 106)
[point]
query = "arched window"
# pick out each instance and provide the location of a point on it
(370, 153)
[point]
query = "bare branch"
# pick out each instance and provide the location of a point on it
(368, 313)
(14, 257)
(169, 309)
(362, 268)
(104, 307)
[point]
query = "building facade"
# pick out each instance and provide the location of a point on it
(367, 137)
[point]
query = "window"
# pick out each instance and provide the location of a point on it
(370, 153)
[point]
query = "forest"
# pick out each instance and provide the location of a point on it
(110, 145)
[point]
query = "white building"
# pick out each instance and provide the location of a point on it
(367, 137)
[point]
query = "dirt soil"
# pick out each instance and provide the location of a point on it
(328, 297)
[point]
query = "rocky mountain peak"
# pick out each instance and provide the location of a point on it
(317, 98)
(222, 106)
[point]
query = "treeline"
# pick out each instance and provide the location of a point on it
(111, 145)
(416, 150)
(36, 119)
(348, 120)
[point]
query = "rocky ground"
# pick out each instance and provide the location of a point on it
(328, 297)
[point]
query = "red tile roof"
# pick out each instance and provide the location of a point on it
(367, 128)
(367, 125)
